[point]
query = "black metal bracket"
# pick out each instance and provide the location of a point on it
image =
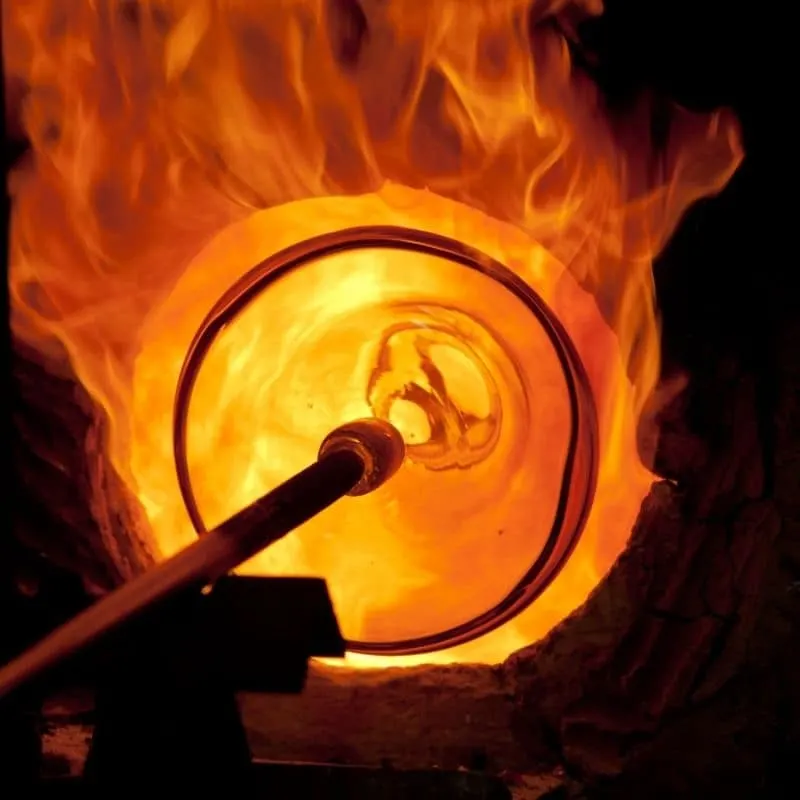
(165, 684)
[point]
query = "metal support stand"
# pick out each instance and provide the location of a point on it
(166, 710)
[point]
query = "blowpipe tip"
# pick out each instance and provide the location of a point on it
(377, 442)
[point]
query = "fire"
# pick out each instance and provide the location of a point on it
(178, 142)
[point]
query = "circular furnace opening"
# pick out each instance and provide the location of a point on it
(447, 354)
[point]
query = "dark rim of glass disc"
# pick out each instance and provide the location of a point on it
(580, 463)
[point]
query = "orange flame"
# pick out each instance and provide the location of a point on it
(178, 142)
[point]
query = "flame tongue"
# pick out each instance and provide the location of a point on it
(157, 125)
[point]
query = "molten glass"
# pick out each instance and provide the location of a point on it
(176, 143)
(446, 398)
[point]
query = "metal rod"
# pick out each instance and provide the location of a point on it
(364, 452)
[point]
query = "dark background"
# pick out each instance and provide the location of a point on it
(722, 279)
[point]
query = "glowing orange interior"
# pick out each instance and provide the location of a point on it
(178, 143)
